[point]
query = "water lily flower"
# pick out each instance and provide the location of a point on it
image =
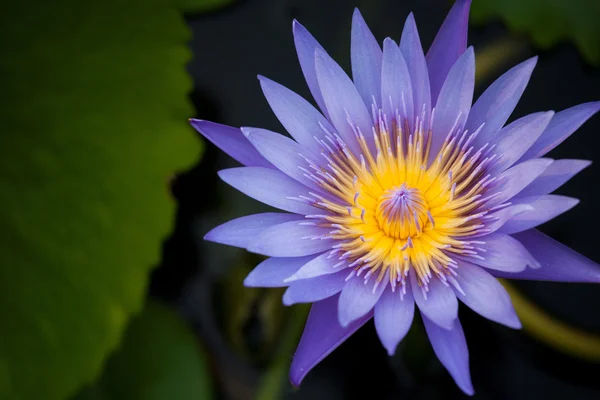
(400, 193)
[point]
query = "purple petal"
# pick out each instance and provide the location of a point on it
(454, 102)
(561, 127)
(440, 305)
(497, 103)
(558, 262)
(358, 298)
(513, 140)
(516, 178)
(449, 44)
(322, 265)
(231, 141)
(268, 186)
(393, 317)
(315, 289)
(366, 60)
(342, 101)
(291, 239)
(396, 89)
(298, 116)
(504, 253)
(322, 334)
(306, 45)
(282, 152)
(559, 172)
(450, 347)
(482, 293)
(238, 232)
(544, 208)
(273, 271)
(410, 46)
(505, 214)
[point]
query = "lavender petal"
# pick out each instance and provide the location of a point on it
(562, 125)
(558, 173)
(306, 45)
(396, 89)
(518, 177)
(282, 152)
(291, 239)
(322, 334)
(440, 305)
(450, 347)
(231, 141)
(342, 101)
(482, 293)
(543, 209)
(358, 298)
(558, 262)
(513, 140)
(454, 102)
(366, 60)
(273, 271)
(270, 187)
(496, 104)
(238, 232)
(393, 317)
(322, 265)
(412, 51)
(449, 44)
(314, 289)
(504, 253)
(304, 122)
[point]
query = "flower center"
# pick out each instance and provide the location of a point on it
(393, 207)
(402, 212)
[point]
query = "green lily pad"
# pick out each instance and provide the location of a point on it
(93, 125)
(548, 22)
(158, 359)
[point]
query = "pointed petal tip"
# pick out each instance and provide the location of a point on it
(297, 27)
(287, 301)
(467, 388)
(356, 14)
(388, 41)
(249, 281)
(255, 247)
(344, 319)
(290, 279)
(390, 350)
(295, 385)
(531, 62)
(594, 104)
(296, 377)
(515, 324)
(197, 123)
(225, 174)
(320, 55)
(209, 237)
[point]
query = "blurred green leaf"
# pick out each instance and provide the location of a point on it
(548, 21)
(275, 379)
(202, 5)
(255, 317)
(93, 124)
(158, 359)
